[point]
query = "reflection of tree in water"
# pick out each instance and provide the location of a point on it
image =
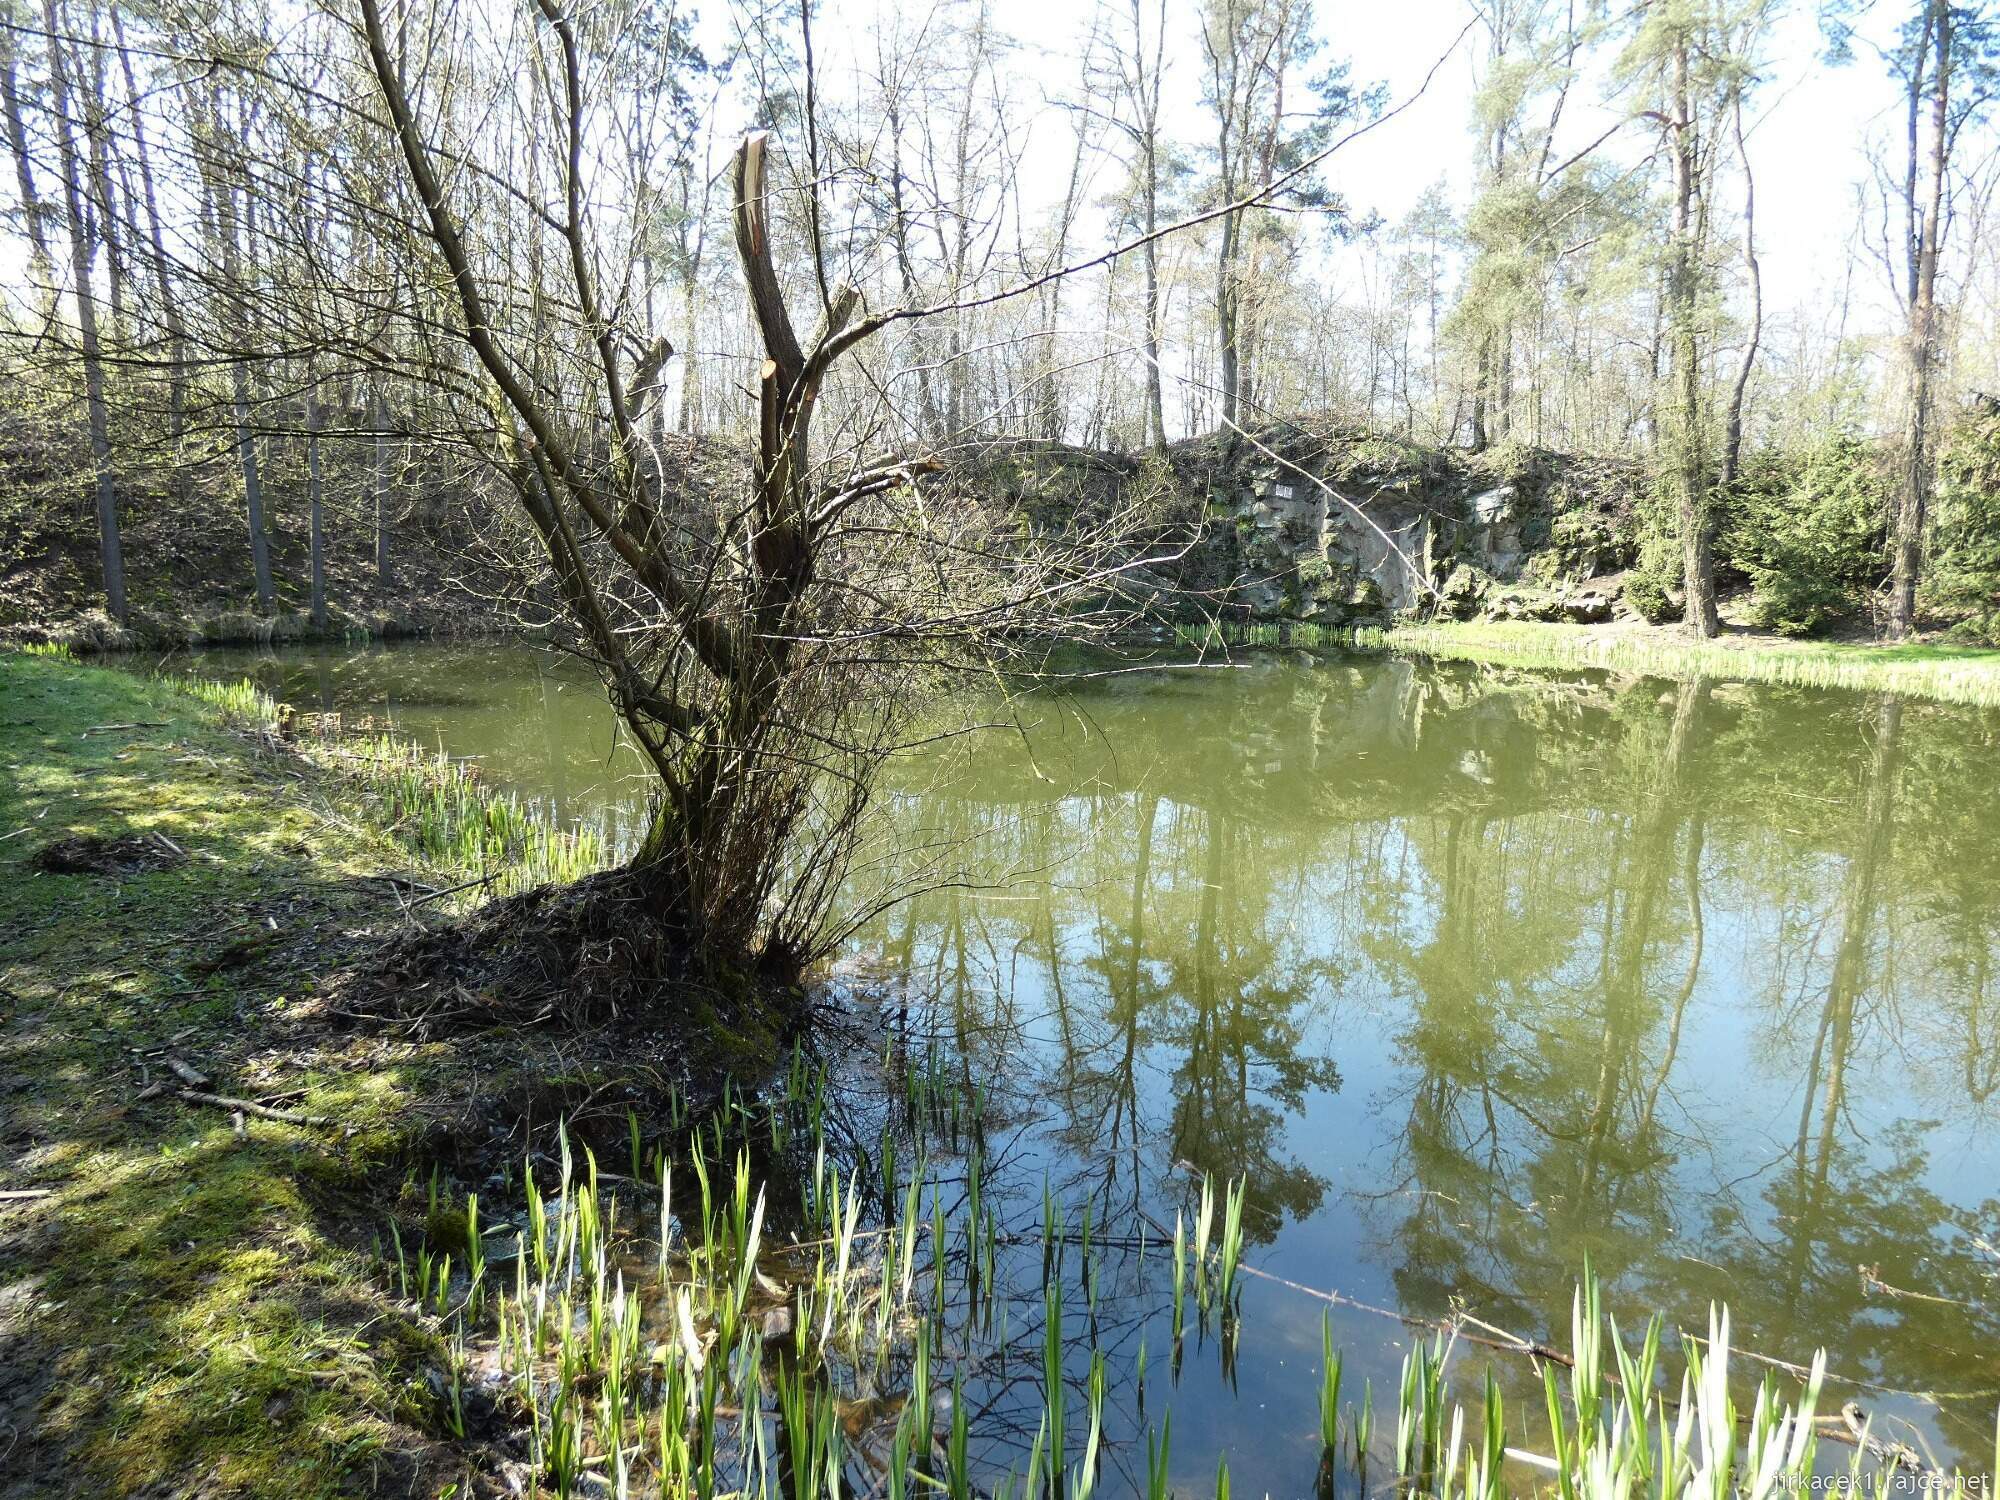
(1533, 1131)
(1522, 878)
(1237, 1023)
(1855, 1244)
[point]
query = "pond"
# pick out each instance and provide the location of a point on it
(1469, 974)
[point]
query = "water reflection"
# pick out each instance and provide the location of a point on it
(1470, 973)
(1693, 979)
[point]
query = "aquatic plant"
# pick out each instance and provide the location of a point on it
(240, 703)
(808, 1365)
(449, 817)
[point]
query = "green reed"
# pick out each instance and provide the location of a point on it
(718, 1369)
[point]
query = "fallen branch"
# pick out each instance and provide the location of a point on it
(261, 1111)
(16, 1195)
(188, 1074)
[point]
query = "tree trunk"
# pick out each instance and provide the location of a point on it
(224, 194)
(1690, 486)
(1228, 308)
(313, 505)
(98, 138)
(380, 408)
(33, 212)
(110, 552)
(1156, 401)
(1732, 435)
(1482, 365)
(1914, 478)
(156, 242)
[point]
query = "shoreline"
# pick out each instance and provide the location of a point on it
(1941, 673)
(1965, 675)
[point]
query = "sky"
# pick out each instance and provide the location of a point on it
(1808, 126)
(1810, 122)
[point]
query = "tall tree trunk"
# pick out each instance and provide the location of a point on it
(226, 227)
(906, 270)
(1732, 433)
(380, 409)
(1914, 478)
(177, 383)
(33, 212)
(1156, 400)
(317, 522)
(1688, 473)
(1228, 318)
(98, 136)
(110, 552)
(1481, 376)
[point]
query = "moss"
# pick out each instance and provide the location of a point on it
(204, 1316)
(448, 1228)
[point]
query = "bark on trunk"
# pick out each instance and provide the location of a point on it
(1914, 486)
(1228, 308)
(383, 573)
(33, 212)
(156, 244)
(226, 225)
(1689, 476)
(313, 505)
(110, 552)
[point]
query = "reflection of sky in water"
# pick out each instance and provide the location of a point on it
(1415, 948)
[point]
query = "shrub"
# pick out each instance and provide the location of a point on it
(1807, 530)
(1963, 580)
(1654, 584)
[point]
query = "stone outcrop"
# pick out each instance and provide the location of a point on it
(1338, 527)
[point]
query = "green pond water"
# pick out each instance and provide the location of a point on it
(1470, 973)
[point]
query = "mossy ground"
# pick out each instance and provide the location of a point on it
(193, 1308)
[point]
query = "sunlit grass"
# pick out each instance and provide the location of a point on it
(241, 704)
(438, 807)
(453, 820)
(1948, 674)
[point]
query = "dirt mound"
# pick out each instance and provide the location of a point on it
(591, 954)
(84, 854)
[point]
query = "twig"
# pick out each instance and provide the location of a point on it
(16, 1195)
(452, 890)
(192, 1076)
(261, 1111)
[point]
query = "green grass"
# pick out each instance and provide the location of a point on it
(1946, 674)
(194, 1319)
(1943, 673)
(445, 815)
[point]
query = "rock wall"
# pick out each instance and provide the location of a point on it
(1346, 528)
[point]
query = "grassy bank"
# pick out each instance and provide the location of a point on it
(185, 1296)
(1946, 674)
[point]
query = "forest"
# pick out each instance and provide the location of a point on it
(240, 349)
(820, 750)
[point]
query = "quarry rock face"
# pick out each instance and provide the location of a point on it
(1357, 529)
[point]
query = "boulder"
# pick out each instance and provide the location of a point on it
(1588, 608)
